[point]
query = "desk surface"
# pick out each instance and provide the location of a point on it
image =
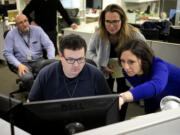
(83, 28)
(161, 123)
(5, 129)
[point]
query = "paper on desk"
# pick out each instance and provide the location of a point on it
(113, 62)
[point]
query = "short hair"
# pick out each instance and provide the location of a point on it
(72, 42)
(141, 50)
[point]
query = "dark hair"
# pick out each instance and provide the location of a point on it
(141, 50)
(72, 42)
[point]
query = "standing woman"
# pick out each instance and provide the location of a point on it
(151, 77)
(112, 33)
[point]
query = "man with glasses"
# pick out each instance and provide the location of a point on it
(71, 76)
(23, 49)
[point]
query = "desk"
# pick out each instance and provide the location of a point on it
(84, 30)
(5, 129)
(92, 18)
(161, 123)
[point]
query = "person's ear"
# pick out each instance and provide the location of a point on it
(60, 55)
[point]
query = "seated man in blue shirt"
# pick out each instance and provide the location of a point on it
(71, 76)
(23, 49)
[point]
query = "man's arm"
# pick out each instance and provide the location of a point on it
(8, 51)
(102, 86)
(47, 44)
(29, 9)
(9, 55)
(65, 15)
(36, 90)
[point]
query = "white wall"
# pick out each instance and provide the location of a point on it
(107, 2)
(21, 4)
(73, 3)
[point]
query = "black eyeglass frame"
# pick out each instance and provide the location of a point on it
(72, 60)
(112, 21)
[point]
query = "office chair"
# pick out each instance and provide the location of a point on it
(72, 12)
(151, 34)
(91, 62)
(174, 36)
(22, 86)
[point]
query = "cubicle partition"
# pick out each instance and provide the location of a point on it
(169, 52)
(160, 123)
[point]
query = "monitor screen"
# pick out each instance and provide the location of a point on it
(173, 13)
(95, 4)
(67, 116)
(66, 3)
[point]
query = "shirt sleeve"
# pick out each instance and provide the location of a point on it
(36, 90)
(140, 36)
(47, 44)
(101, 85)
(91, 50)
(156, 84)
(64, 14)
(8, 50)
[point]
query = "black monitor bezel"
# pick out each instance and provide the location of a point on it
(95, 111)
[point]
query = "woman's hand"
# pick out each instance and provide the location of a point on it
(108, 70)
(125, 97)
(121, 102)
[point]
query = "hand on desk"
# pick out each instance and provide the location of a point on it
(74, 26)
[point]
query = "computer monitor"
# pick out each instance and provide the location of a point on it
(95, 4)
(6, 104)
(67, 116)
(172, 15)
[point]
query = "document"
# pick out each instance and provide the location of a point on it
(113, 62)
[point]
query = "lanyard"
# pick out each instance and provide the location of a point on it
(27, 43)
(67, 89)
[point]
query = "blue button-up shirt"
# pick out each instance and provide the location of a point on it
(18, 47)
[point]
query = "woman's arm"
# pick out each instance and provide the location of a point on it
(125, 97)
(92, 47)
(158, 79)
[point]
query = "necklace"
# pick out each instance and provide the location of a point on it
(74, 90)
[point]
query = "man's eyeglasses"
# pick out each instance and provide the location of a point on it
(72, 60)
(112, 21)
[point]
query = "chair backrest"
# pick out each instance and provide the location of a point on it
(174, 36)
(5, 33)
(91, 62)
(151, 34)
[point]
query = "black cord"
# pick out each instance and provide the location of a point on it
(11, 116)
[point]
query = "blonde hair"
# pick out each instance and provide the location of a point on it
(126, 31)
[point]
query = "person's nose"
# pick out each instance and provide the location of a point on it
(76, 63)
(111, 25)
(126, 65)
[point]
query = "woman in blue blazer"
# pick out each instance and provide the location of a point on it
(151, 77)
